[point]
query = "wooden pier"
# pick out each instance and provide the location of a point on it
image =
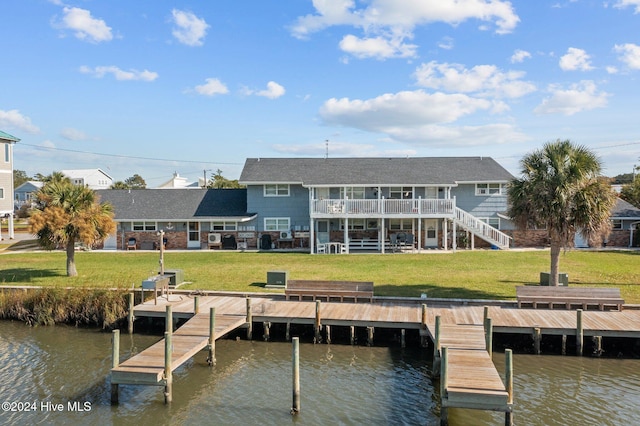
(470, 378)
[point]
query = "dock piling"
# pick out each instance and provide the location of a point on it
(130, 317)
(115, 361)
(196, 305)
(488, 336)
(444, 367)
(168, 375)
(436, 348)
(403, 343)
(508, 378)
(327, 331)
(169, 319)
(211, 360)
(579, 333)
(370, 331)
(352, 335)
(266, 326)
(537, 340)
(317, 324)
(249, 320)
(295, 409)
(423, 326)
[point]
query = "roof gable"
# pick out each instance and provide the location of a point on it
(373, 171)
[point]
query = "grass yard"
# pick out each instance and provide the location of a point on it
(466, 274)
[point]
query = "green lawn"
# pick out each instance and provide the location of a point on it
(466, 274)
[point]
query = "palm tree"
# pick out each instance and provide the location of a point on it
(561, 189)
(67, 214)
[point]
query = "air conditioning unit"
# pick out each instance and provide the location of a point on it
(215, 238)
(285, 235)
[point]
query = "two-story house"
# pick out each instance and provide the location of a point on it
(347, 204)
(6, 180)
(92, 178)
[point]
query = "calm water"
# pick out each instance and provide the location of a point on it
(251, 385)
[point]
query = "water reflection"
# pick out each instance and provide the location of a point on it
(251, 385)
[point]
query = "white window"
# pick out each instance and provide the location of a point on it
(1, 193)
(616, 224)
(224, 226)
(490, 189)
(354, 224)
(431, 192)
(276, 190)
(401, 192)
(492, 221)
(7, 153)
(277, 224)
(400, 224)
(144, 226)
(352, 192)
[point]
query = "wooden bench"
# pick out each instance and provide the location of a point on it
(569, 297)
(329, 289)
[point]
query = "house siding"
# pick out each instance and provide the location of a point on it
(6, 183)
(295, 206)
(481, 206)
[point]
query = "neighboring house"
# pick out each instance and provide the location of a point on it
(178, 181)
(26, 193)
(186, 216)
(6, 180)
(92, 178)
(378, 203)
(625, 221)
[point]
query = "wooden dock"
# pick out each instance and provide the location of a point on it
(148, 367)
(471, 381)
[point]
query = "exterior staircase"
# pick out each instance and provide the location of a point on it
(470, 223)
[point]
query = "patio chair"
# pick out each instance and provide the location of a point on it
(132, 244)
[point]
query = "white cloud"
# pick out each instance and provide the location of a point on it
(273, 91)
(394, 21)
(212, 87)
(446, 43)
(519, 56)
(72, 134)
(579, 97)
(483, 80)
(189, 29)
(377, 47)
(14, 119)
(630, 54)
(575, 59)
(119, 74)
(85, 26)
(621, 4)
(400, 109)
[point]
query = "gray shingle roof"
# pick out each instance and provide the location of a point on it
(624, 209)
(373, 171)
(176, 204)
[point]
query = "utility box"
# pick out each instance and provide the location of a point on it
(276, 279)
(176, 276)
(563, 279)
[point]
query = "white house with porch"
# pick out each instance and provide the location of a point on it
(380, 204)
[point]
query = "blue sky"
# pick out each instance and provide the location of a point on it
(157, 87)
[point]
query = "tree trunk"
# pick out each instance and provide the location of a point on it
(555, 263)
(71, 258)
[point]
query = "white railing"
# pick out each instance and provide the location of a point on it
(415, 206)
(482, 229)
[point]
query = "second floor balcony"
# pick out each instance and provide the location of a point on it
(416, 207)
